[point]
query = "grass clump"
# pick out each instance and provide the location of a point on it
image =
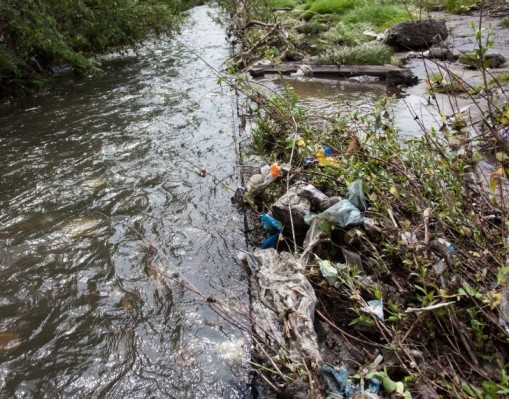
(504, 22)
(364, 54)
(447, 83)
(456, 6)
(285, 4)
(380, 16)
(334, 7)
(312, 28)
(347, 35)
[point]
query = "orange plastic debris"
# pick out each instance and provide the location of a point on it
(275, 170)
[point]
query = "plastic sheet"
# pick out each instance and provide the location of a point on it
(284, 305)
(329, 272)
(292, 209)
(344, 214)
(356, 195)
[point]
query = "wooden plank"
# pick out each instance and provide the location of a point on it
(344, 71)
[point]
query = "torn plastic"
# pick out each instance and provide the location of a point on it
(249, 259)
(356, 195)
(292, 209)
(284, 306)
(409, 238)
(330, 270)
(267, 175)
(272, 226)
(376, 307)
(439, 267)
(503, 282)
(504, 309)
(345, 213)
(338, 383)
(317, 198)
(449, 246)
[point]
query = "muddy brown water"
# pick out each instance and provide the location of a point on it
(100, 180)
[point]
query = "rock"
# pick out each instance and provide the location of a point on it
(401, 77)
(439, 53)
(416, 35)
(492, 60)
(289, 55)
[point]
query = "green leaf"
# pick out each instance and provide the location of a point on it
(325, 226)
(502, 156)
(468, 289)
(490, 389)
(503, 276)
(388, 384)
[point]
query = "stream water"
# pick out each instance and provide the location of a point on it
(107, 185)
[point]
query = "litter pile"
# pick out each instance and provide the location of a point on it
(381, 265)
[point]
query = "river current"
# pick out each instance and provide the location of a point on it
(109, 186)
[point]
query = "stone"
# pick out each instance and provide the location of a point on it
(439, 53)
(410, 35)
(289, 55)
(492, 60)
(401, 77)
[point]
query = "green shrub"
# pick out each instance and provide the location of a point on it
(39, 34)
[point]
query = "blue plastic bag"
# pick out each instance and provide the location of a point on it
(271, 225)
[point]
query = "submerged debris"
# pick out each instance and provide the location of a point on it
(284, 307)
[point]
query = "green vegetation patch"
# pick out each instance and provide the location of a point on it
(378, 15)
(39, 34)
(456, 6)
(364, 54)
(332, 6)
(312, 28)
(278, 4)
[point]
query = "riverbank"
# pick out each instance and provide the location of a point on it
(403, 244)
(39, 40)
